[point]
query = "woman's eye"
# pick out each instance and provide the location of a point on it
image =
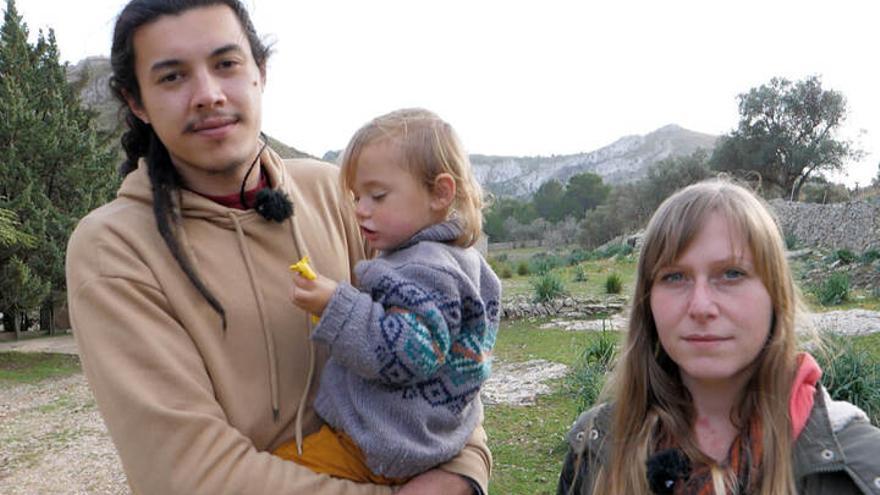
(672, 277)
(377, 196)
(733, 274)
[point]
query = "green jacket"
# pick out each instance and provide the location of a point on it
(837, 453)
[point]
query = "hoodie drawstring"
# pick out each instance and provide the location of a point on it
(298, 434)
(270, 341)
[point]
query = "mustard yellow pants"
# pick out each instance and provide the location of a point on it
(334, 453)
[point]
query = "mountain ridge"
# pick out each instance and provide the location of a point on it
(626, 159)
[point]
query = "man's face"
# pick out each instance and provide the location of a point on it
(202, 92)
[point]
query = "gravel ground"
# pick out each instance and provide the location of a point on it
(52, 439)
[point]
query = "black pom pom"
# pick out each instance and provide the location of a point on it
(273, 204)
(665, 468)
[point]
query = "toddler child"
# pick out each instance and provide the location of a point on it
(411, 345)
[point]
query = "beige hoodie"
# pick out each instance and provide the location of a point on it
(191, 408)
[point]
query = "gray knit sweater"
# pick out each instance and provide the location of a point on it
(409, 351)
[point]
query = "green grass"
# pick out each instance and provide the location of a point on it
(521, 340)
(528, 443)
(594, 286)
(33, 367)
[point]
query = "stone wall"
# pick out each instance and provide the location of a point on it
(852, 225)
(566, 307)
(494, 246)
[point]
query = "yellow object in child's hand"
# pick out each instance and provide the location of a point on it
(302, 266)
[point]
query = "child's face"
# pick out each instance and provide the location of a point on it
(391, 204)
(711, 308)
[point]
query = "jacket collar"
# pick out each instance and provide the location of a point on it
(816, 449)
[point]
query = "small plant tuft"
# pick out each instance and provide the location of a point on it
(851, 373)
(547, 287)
(580, 273)
(522, 269)
(613, 284)
(791, 242)
(835, 290)
(542, 263)
(613, 250)
(870, 256)
(578, 255)
(587, 378)
(845, 256)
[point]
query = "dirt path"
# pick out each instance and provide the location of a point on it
(62, 344)
(54, 441)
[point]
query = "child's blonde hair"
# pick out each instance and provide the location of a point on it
(430, 147)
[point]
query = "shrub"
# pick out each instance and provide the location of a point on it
(506, 272)
(791, 241)
(547, 286)
(851, 373)
(497, 265)
(587, 378)
(577, 255)
(870, 256)
(613, 284)
(614, 250)
(542, 263)
(522, 268)
(834, 290)
(580, 273)
(845, 256)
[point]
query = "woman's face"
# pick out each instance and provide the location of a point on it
(711, 310)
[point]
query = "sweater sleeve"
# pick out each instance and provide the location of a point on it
(157, 399)
(405, 329)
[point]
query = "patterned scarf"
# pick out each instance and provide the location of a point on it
(742, 459)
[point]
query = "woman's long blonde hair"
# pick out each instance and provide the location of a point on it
(646, 386)
(430, 147)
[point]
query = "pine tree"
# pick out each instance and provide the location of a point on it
(54, 166)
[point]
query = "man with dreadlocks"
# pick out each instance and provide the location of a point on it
(178, 288)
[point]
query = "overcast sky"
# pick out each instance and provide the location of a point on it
(534, 77)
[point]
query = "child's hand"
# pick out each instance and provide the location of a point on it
(312, 295)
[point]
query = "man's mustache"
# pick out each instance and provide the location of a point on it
(211, 121)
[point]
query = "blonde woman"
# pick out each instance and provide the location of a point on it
(710, 395)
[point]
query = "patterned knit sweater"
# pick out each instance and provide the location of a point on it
(409, 351)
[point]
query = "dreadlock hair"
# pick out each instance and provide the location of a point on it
(140, 140)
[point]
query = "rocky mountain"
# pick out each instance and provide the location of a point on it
(91, 77)
(624, 160)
